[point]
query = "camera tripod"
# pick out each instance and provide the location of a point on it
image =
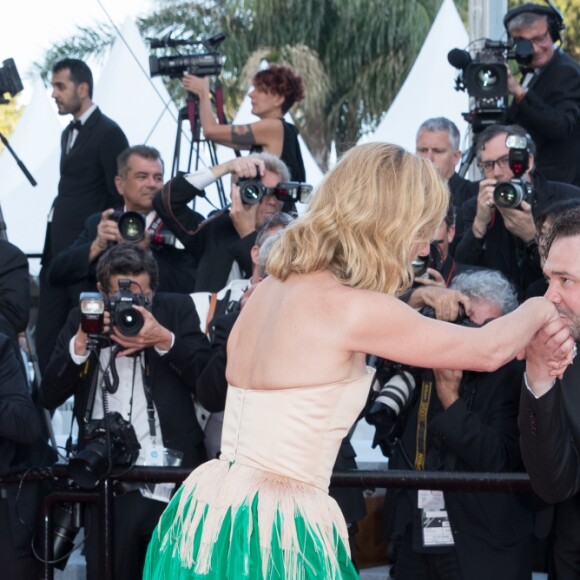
(190, 113)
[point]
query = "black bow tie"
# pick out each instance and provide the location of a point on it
(75, 125)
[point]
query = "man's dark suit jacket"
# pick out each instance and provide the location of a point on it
(478, 432)
(87, 180)
(215, 243)
(550, 112)
(173, 376)
(14, 289)
(176, 267)
(501, 250)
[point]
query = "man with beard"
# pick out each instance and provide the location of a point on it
(548, 419)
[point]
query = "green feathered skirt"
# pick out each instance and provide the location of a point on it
(229, 521)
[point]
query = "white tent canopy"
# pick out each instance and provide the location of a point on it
(428, 90)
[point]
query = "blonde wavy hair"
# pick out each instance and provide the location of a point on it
(367, 217)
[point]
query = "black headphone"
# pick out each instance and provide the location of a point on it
(554, 16)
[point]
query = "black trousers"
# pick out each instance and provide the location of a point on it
(14, 562)
(135, 518)
(412, 565)
(565, 540)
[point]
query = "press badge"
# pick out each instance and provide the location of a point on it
(434, 519)
(157, 456)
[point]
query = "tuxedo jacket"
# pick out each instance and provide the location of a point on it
(173, 376)
(550, 112)
(87, 180)
(177, 268)
(214, 243)
(478, 432)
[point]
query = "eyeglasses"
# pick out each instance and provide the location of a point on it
(487, 166)
(540, 39)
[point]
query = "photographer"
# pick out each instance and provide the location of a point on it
(463, 421)
(546, 101)
(222, 243)
(147, 377)
(276, 89)
(503, 238)
(139, 177)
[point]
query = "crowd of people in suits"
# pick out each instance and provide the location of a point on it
(192, 274)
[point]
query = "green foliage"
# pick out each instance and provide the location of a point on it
(352, 54)
(10, 113)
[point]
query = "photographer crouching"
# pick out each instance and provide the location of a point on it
(448, 420)
(131, 359)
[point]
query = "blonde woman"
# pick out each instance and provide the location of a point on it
(298, 380)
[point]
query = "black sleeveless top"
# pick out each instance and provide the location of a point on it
(291, 154)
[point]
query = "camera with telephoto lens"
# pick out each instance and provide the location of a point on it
(108, 442)
(131, 225)
(201, 64)
(485, 77)
(124, 316)
(253, 190)
(511, 193)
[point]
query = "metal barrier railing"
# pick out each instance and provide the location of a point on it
(443, 480)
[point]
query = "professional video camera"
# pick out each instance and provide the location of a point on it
(253, 190)
(110, 441)
(512, 193)
(9, 80)
(127, 319)
(485, 77)
(206, 62)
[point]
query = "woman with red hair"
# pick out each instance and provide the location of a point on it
(275, 91)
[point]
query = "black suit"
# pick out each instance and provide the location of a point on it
(86, 186)
(172, 380)
(176, 267)
(478, 432)
(461, 190)
(550, 443)
(20, 435)
(550, 112)
(501, 250)
(215, 244)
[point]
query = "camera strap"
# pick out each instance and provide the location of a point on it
(422, 416)
(146, 376)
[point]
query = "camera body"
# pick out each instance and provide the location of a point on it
(95, 460)
(9, 80)
(206, 62)
(124, 316)
(511, 193)
(433, 260)
(253, 190)
(131, 225)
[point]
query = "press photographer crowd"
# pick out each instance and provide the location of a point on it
(137, 326)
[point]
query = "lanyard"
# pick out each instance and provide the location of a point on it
(421, 435)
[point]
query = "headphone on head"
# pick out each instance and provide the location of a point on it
(554, 16)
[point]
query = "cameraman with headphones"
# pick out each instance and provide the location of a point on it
(546, 100)
(137, 384)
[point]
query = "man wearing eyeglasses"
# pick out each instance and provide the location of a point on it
(546, 99)
(504, 238)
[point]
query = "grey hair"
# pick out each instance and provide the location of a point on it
(265, 249)
(279, 220)
(487, 285)
(274, 164)
(525, 20)
(442, 124)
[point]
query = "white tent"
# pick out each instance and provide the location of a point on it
(428, 90)
(36, 141)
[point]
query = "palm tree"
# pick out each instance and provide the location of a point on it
(352, 54)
